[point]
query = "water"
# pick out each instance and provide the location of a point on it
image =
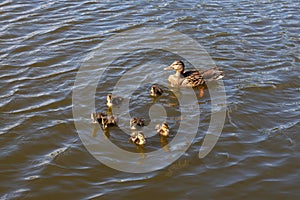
(43, 45)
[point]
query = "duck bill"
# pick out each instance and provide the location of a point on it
(169, 68)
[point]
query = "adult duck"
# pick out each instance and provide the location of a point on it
(192, 78)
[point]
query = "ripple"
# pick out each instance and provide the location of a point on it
(16, 123)
(43, 45)
(15, 194)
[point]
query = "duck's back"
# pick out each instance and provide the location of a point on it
(212, 74)
(191, 73)
(193, 80)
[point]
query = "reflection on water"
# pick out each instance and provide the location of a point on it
(43, 45)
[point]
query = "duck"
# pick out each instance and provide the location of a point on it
(163, 129)
(96, 117)
(105, 120)
(110, 100)
(134, 122)
(155, 91)
(108, 121)
(138, 138)
(191, 78)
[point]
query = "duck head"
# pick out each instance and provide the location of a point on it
(177, 65)
(109, 100)
(155, 90)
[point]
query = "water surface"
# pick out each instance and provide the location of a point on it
(43, 45)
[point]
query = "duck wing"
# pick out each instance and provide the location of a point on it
(212, 74)
(190, 73)
(192, 79)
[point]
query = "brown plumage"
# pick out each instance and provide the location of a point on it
(163, 129)
(105, 120)
(192, 78)
(156, 91)
(134, 122)
(137, 138)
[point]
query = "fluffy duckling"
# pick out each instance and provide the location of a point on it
(105, 120)
(96, 117)
(163, 129)
(110, 100)
(155, 91)
(109, 120)
(138, 138)
(134, 122)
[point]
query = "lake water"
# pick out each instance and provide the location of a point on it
(44, 46)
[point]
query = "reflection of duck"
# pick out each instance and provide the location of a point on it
(138, 138)
(164, 143)
(155, 90)
(134, 122)
(192, 78)
(163, 129)
(110, 100)
(95, 128)
(104, 120)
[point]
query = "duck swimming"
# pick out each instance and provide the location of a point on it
(134, 122)
(163, 129)
(191, 78)
(105, 120)
(137, 138)
(96, 117)
(110, 100)
(155, 91)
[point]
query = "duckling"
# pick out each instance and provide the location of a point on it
(109, 120)
(137, 138)
(155, 91)
(105, 120)
(192, 78)
(134, 122)
(110, 100)
(163, 129)
(96, 117)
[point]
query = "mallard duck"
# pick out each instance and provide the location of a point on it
(155, 90)
(110, 100)
(138, 138)
(134, 122)
(104, 120)
(163, 129)
(191, 78)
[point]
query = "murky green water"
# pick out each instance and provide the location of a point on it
(43, 45)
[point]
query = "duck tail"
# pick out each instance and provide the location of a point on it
(212, 74)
